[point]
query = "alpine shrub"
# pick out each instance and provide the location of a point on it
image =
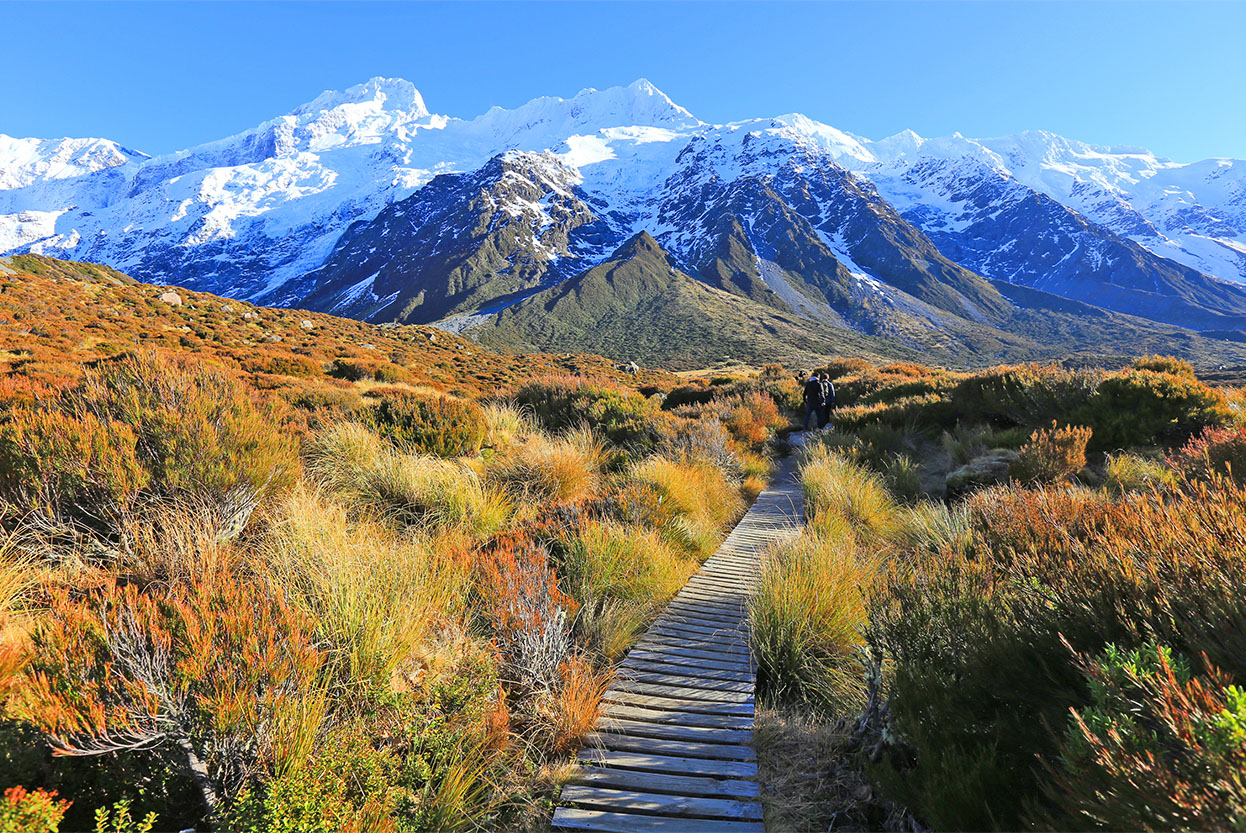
(1143, 407)
(429, 423)
(1052, 454)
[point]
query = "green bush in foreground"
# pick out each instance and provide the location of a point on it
(429, 423)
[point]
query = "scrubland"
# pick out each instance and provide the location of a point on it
(388, 608)
(1018, 603)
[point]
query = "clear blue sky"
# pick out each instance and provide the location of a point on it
(164, 76)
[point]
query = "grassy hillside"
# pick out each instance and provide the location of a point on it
(639, 305)
(56, 316)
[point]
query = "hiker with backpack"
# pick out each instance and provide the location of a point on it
(814, 402)
(828, 398)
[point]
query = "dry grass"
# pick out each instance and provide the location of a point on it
(542, 468)
(568, 713)
(837, 489)
(411, 488)
(374, 595)
(505, 425)
(808, 612)
(810, 778)
(703, 501)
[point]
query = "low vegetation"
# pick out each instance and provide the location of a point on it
(1039, 628)
(386, 606)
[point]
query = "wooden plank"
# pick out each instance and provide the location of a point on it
(722, 721)
(657, 804)
(674, 748)
(644, 762)
(695, 647)
(673, 668)
(682, 692)
(600, 821)
(673, 731)
(678, 704)
(719, 664)
(687, 680)
(662, 646)
(657, 782)
(734, 629)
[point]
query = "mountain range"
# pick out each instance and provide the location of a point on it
(617, 222)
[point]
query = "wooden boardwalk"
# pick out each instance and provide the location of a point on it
(672, 748)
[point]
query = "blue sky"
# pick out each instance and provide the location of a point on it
(163, 76)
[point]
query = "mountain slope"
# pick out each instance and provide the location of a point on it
(639, 305)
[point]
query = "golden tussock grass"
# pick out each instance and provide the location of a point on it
(411, 488)
(374, 594)
(837, 489)
(562, 468)
(807, 613)
(703, 502)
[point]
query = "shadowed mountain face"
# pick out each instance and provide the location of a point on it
(365, 204)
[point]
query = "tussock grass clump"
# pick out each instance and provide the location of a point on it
(838, 490)
(700, 500)
(373, 594)
(505, 424)
(412, 488)
(1130, 472)
(565, 468)
(808, 613)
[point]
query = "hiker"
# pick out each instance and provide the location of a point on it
(828, 398)
(813, 402)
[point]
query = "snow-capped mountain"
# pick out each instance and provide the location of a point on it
(364, 202)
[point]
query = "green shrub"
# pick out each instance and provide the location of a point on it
(688, 395)
(1026, 395)
(621, 415)
(1156, 748)
(1144, 408)
(429, 423)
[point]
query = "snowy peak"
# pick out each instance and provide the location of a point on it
(639, 104)
(377, 93)
(26, 161)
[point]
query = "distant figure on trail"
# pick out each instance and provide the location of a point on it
(828, 398)
(814, 402)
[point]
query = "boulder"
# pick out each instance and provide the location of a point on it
(983, 470)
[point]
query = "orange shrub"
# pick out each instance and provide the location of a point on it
(1052, 454)
(31, 811)
(227, 671)
(70, 464)
(526, 610)
(1217, 451)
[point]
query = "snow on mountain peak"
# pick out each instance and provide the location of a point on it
(387, 93)
(551, 119)
(25, 161)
